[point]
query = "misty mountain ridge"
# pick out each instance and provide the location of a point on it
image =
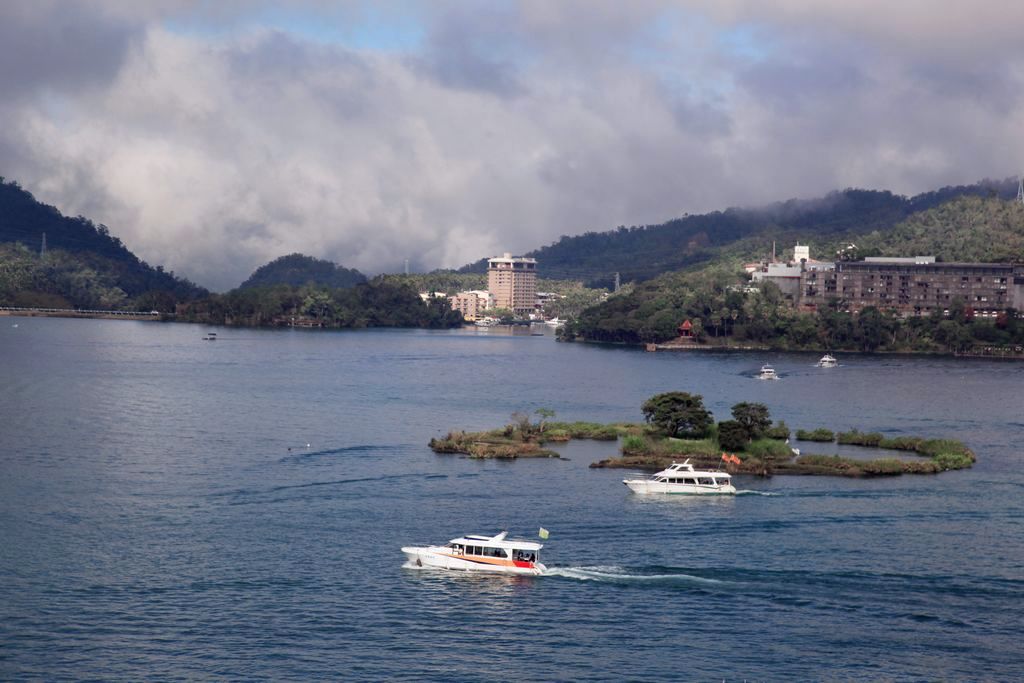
(966, 228)
(89, 267)
(83, 257)
(642, 252)
(298, 269)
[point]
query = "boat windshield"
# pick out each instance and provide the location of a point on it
(520, 555)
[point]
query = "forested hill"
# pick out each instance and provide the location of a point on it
(297, 270)
(970, 229)
(963, 229)
(85, 257)
(640, 253)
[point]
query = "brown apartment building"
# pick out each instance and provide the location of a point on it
(914, 286)
(512, 283)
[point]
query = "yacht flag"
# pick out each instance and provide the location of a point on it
(543, 533)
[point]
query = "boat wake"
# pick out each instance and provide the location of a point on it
(756, 493)
(615, 574)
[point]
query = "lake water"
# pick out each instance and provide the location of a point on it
(161, 516)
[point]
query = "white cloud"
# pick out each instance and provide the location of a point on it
(215, 153)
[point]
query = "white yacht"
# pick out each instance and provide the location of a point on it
(681, 478)
(554, 322)
(487, 322)
(828, 361)
(767, 372)
(493, 554)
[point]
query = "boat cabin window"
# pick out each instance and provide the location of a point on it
(689, 480)
(456, 548)
(721, 481)
(526, 556)
(495, 552)
(660, 479)
(705, 481)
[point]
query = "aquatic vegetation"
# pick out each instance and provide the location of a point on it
(649, 447)
(858, 438)
(821, 434)
(779, 431)
(492, 444)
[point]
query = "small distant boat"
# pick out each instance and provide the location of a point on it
(210, 336)
(492, 554)
(767, 372)
(487, 322)
(554, 322)
(681, 478)
(827, 361)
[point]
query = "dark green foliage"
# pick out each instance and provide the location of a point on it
(85, 265)
(858, 438)
(754, 418)
(677, 413)
(297, 270)
(903, 443)
(643, 252)
(768, 448)
(934, 447)
(953, 461)
(441, 281)
(820, 434)
(593, 430)
(826, 461)
(886, 466)
(634, 445)
(780, 431)
(732, 435)
(714, 296)
(372, 304)
(968, 228)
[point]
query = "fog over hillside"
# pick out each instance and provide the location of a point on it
(215, 137)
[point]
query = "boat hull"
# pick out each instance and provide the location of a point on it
(643, 486)
(441, 558)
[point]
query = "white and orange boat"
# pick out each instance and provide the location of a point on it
(480, 554)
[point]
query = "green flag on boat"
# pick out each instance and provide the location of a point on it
(543, 533)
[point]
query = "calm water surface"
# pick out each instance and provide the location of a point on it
(161, 516)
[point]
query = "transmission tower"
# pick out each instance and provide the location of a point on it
(406, 266)
(617, 283)
(1020, 190)
(42, 248)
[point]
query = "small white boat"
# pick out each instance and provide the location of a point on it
(827, 361)
(492, 554)
(767, 372)
(554, 322)
(487, 322)
(681, 478)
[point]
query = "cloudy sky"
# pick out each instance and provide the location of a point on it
(213, 136)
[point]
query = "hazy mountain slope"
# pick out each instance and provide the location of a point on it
(24, 220)
(298, 269)
(965, 229)
(640, 253)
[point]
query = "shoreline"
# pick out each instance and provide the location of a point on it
(1002, 354)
